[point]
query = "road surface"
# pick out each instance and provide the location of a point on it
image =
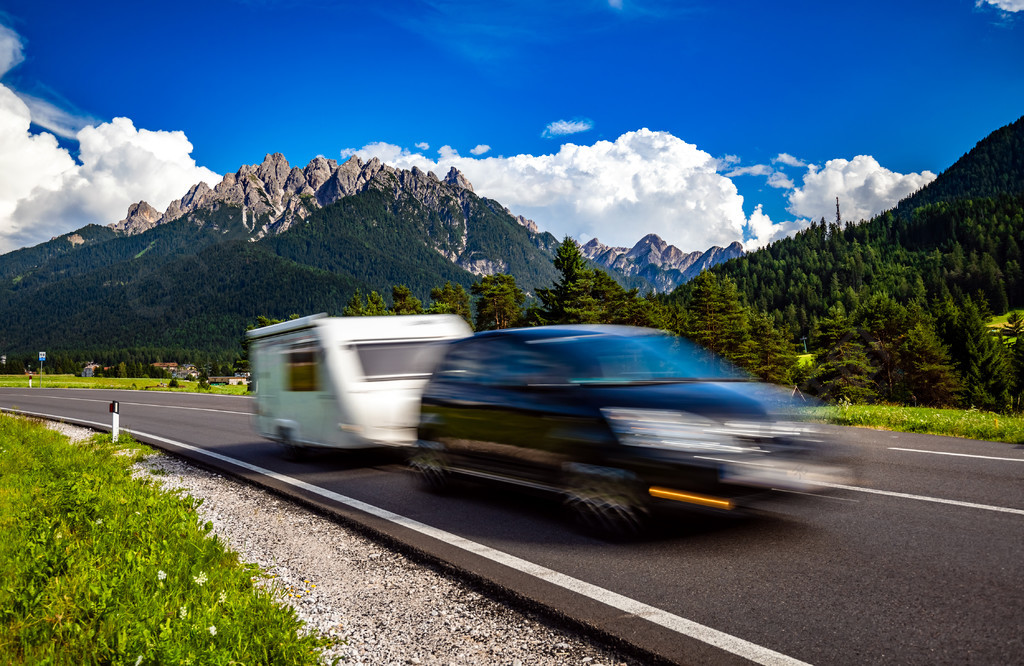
(918, 560)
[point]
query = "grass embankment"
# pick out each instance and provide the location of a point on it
(140, 384)
(100, 568)
(972, 424)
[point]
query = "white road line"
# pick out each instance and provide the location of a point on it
(149, 404)
(925, 498)
(947, 453)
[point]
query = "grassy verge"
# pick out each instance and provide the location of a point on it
(99, 568)
(71, 381)
(972, 424)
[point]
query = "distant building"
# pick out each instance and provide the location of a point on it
(90, 370)
(229, 380)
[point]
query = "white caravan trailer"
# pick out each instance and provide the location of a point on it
(345, 382)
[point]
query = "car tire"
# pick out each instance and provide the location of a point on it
(605, 501)
(431, 465)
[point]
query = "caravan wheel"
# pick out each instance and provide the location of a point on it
(292, 451)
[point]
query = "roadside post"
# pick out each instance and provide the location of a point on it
(115, 417)
(42, 359)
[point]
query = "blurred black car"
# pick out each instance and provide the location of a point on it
(617, 420)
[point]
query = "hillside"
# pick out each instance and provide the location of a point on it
(960, 235)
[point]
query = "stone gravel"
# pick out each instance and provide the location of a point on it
(385, 608)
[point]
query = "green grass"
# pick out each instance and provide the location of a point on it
(99, 568)
(972, 423)
(997, 322)
(144, 384)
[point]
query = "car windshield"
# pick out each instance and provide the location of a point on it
(639, 358)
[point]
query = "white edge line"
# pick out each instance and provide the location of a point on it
(925, 498)
(947, 453)
(695, 630)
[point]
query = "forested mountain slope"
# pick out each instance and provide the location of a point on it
(961, 235)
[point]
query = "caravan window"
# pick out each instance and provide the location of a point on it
(405, 359)
(303, 367)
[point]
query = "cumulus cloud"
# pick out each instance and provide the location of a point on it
(423, 145)
(481, 149)
(566, 127)
(642, 182)
(788, 160)
(44, 192)
(1005, 5)
(780, 181)
(864, 187)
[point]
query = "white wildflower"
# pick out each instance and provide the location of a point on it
(213, 630)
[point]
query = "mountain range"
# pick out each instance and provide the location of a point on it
(272, 239)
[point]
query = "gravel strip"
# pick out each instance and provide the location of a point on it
(388, 608)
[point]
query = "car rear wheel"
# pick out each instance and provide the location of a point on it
(605, 501)
(431, 464)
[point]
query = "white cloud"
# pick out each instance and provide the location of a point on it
(45, 193)
(481, 149)
(1005, 5)
(788, 160)
(780, 181)
(51, 117)
(11, 52)
(864, 187)
(423, 145)
(617, 191)
(753, 170)
(566, 127)
(615, 4)
(761, 230)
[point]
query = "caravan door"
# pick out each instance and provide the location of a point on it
(308, 400)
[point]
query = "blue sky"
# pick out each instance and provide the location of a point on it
(702, 121)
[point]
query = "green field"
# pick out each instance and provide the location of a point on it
(97, 567)
(139, 384)
(973, 424)
(997, 322)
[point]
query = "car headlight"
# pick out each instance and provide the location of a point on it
(680, 431)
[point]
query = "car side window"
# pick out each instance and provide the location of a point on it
(522, 365)
(464, 363)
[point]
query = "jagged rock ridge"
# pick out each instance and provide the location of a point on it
(274, 196)
(664, 266)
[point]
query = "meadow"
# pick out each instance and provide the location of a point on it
(132, 384)
(969, 423)
(98, 567)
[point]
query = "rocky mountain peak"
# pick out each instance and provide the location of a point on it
(456, 179)
(663, 265)
(141, 217)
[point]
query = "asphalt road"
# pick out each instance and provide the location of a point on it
(918, 560)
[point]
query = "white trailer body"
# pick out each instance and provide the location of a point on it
(345, 382)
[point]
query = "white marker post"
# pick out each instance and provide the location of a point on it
(115, 412)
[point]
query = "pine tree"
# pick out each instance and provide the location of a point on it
(404, 303)
(844, 371)
(450, 299)
(500, 302)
